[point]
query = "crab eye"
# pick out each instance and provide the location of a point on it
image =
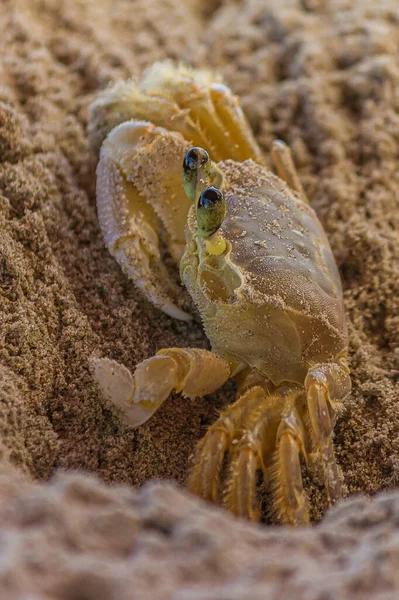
(196, 165)
(211, 210)
(210, 198)
(195, 158)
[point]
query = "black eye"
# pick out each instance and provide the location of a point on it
(210, 197)
(195, 157)
(211, 211)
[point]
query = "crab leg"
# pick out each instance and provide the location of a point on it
(192, 102)
(126, 101)
(290, 503)
(322, 429)
(282, 158)
(325, 386)
(139, 186)
(262, 437)
(241, 139)
(210, 108)
(204, 478)
(267, 427)
(248, 457)
(191, 371)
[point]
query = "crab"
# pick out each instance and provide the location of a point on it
(180, 170)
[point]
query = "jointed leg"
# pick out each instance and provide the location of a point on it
(192, 102)
(289, 501)
(265, 437)
(270, 431)
(204, 479)
(191, 371)
(220, 125)
(325, 386)
(251, 432)
(258, 431)
(282, 158)
(125, 101)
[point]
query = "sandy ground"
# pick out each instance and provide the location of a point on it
(322, 75)
(75, 539)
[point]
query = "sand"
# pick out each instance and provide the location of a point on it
(323, 76)
(75, 539)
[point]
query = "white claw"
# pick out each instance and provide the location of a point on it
(117, 385)
(129, 224)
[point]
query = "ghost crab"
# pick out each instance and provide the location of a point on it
(256, 262)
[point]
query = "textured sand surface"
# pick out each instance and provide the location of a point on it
(322, 75)
(79, 540)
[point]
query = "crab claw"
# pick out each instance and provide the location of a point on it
(119, 386)
(134, 154)
(192, 371)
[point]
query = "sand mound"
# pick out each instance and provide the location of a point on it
(76, 539)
